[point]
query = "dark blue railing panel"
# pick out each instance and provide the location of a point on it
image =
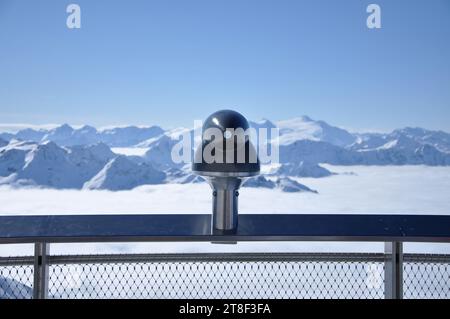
(283, 227)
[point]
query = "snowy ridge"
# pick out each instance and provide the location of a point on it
(302, 169)
(81, 157)
(304, 128)
(120, 173)
(285, 184)
(66, 135)
(3, 142)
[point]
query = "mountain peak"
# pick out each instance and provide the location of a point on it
(64, 127)
(3, 142)
(306, 118)
(87, 128)
(305, 128)
(121, 173)
(48, 145)
(263, 123)
(289, 185)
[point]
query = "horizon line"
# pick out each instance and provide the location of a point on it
(13, 128)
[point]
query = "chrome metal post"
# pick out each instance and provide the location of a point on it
(40, 283)
(225, 202)
(393, 270)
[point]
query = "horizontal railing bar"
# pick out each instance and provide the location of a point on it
(224, 257)
(427, 258)
(218, 257)
(16, 261)
(197, 228)
(218, 239)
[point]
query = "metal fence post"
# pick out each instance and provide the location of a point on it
(40, 283)
(393, 270)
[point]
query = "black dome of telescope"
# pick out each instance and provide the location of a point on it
(222, 121)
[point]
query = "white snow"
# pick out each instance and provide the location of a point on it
(388, 145)
(15, 127)
(370, 190)
(303, 169)
(120, 173)
(130, 151)
(306, 128)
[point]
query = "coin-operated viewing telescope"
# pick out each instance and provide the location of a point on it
(225, 158)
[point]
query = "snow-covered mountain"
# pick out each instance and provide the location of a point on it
(30, 134)
(190, 179)
(3, 142)
(47, 164)
(12, 156)
(159, 152)
(379, 150)
(129, 136)
(68, 157)
(305, 128)
(285, 184)
(120, 173)
(303, 139)
(289, 185)
(89, 159)
(89, 166)
(438, 139)
(5, 136)
(318, 152)
(407, 146)
(259, 182)
(63, 135)
(264, 123)
(66, 135)
(302, 169)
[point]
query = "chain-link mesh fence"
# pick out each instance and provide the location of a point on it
(16, 278)
(217, 280)
(264, 276)
(426, 276)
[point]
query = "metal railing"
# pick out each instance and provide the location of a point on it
(391, 274)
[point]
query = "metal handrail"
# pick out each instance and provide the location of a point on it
(223, 257)
(393, 230)
(427, 258)
(16, 261)
(197, 228)
(215, 257)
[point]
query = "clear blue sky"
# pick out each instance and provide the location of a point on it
(169, 62)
